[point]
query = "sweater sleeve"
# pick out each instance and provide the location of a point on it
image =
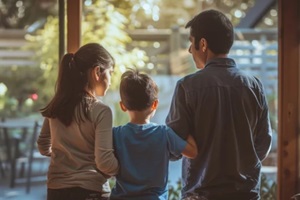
(44, 139)
(104, 153)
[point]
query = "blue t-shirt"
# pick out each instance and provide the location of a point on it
(144, 151)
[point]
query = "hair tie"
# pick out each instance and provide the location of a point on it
(72, 64)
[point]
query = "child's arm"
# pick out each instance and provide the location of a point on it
(190, 150)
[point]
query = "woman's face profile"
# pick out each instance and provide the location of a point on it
(105, 81)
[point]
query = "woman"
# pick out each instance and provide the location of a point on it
(77, 131)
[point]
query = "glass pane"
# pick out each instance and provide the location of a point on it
(28, 57)
(153, 39)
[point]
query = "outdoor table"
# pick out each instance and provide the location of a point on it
(6, 129)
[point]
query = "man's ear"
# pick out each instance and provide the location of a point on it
(154, 104)
(203, 45)
(122, 106)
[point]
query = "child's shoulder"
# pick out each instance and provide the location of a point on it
(164, 129)
(117, 128)
(121, 128)
(156, 126)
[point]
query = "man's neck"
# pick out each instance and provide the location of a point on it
(211, 55)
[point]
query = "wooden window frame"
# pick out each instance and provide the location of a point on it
(288, 99)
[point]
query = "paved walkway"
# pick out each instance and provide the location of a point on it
(37, 192)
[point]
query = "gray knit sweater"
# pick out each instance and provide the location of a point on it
(82, 154)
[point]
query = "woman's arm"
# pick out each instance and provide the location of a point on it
(104, 153)
(44, 139)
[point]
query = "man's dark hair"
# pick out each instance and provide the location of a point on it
(137, 90)
(215, 27)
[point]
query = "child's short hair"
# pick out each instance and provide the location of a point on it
(137, 90)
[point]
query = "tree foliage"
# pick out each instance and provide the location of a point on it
(20, 85)
(102, 23)
(105, 22)
(20, 13)
(140, 13)
(161, 14)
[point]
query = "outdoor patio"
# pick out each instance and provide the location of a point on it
(38, 187)
(18, 144)
(37, 190)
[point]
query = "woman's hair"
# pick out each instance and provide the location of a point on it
(215, 27)
(73, 79)
(138, 91)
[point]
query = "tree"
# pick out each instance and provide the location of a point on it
(160, 14)
(18, 98)
(102, 23)
(105, 22)
(20, 14)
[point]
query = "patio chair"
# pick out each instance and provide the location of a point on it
(2, 167)
(3, 152)
(25, 160)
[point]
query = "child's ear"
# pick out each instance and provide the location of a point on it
(122, 106)
(154, 104)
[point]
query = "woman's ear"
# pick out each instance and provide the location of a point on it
(96, 73)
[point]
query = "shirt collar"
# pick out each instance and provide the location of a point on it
(140, 126)
(221, 62)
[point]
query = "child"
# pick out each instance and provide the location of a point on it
(144, 148)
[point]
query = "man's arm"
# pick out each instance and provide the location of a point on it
(179, 117)
(263, 135)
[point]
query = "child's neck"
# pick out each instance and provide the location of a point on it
(140, 117)
(139, 121)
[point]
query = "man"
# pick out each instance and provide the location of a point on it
(227, 113)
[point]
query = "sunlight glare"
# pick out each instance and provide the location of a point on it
(3, 89)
